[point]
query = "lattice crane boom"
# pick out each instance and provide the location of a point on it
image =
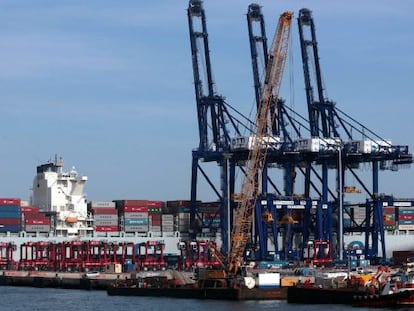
(243, 214)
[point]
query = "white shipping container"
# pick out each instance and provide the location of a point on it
(37, 228)
(155, 228)
(105, 223)
(184, 222)
(167, 229)
(167, 216)
(268, 280)
(107, 217)
(182, 217)
(136, 228)
(136, 215)
(98, 204)
(405, 227)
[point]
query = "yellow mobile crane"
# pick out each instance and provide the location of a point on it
(244, 213)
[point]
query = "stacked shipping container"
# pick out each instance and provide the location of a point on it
(405, 218)
(389, 218)
(105, 216)
(154, 215)
(145, 216)
(167, 223)
(133, 215)
(33, 220)
(10, 217)
(181, 211)
(211, 217)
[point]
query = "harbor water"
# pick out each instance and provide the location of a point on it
(40, 299)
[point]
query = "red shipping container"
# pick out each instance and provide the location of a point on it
(106, 228)
(155, 203)
(9, 221)
(9, 201)
(37, 222)
(121, 203)
(155, 216)
(105, 211)
(178, 203)
(29, 209)
(33, 215)
(210, 204)
(406, 217)
(135, 209)
(155, 222)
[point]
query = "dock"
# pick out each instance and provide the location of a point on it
(68, 280)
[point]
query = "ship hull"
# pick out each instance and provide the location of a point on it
(202, 293)
(316, 295)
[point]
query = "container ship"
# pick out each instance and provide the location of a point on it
(59, 212)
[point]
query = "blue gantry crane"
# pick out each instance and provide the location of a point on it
(329, 145)
(325, 122)
(212, 116)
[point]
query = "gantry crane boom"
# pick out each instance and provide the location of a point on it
(243, 214)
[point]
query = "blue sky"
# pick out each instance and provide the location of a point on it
(108, 85)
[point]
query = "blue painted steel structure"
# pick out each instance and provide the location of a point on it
(325, 121)
(212, 115)
(217, 125)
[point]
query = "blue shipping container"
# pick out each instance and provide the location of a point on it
(136, 221)
(406, 211)
(10, 208)
(10, 228)
(11, 214)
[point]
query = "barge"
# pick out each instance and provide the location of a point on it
(65, 280)
(201, 293)
(318, 295)
(163, 286)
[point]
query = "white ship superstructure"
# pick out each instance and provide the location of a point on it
(61, 193)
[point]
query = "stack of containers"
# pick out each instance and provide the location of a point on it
(133, 215)
(167, 223)
(105, 216)
(181, 211)
(405, 218)
(389, 218)
(10, 217)
(33, 220)
(211, 216)
(154, 215)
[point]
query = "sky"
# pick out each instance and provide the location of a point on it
(108, 85)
